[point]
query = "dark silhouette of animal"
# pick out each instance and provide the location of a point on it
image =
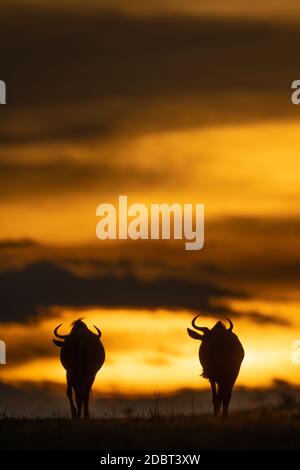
(82, 355)
(221, 354)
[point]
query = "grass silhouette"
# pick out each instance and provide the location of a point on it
(267, 429)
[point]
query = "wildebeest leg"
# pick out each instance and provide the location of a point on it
(86, 399)
(215, 397)
(226, 397)
(78, 396)
(70, 397)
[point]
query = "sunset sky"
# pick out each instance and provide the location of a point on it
(163, 101)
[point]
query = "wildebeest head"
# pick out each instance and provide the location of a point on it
(219, 327)
(77, 326)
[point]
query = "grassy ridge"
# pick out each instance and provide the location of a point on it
(253, 430)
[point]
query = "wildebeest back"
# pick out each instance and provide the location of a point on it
(82, 353)
(221, 356)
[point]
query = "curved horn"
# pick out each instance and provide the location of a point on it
(58, 335)
(99, 332)
(230, 324)
(204, 329)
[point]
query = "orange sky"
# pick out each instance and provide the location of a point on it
(194, 109)
(243, 172)
(150, 351)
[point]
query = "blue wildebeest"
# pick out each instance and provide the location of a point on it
(221, 354)
(82, 355)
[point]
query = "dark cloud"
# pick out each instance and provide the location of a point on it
(66, 175)
(49, 128)
(197, 49)
(25, 292)
(94, 73)
(46, 284)
(250, 253)
(242, 259)
(22, 243)
(261, 250)
(27, 349)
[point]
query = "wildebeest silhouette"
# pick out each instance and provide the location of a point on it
(82, 355)
(221, 354)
